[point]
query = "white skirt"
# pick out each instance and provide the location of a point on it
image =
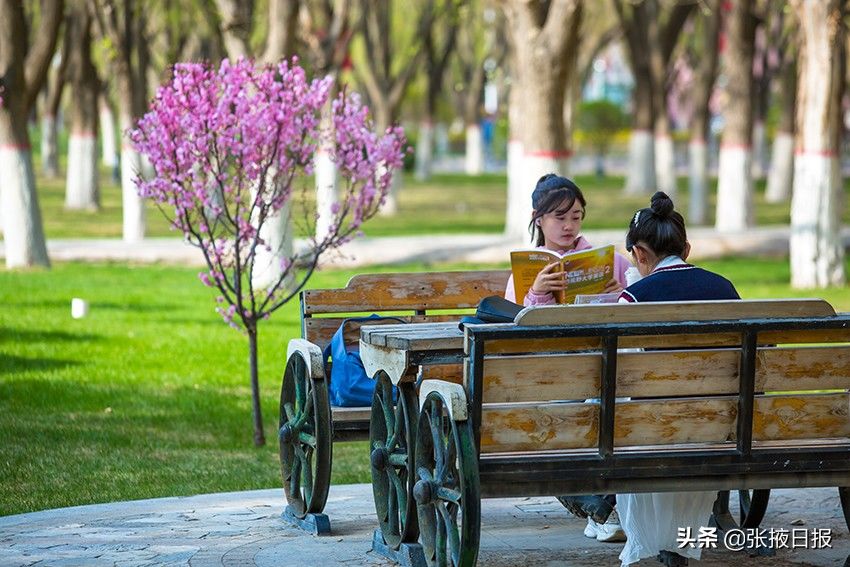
(652, 521)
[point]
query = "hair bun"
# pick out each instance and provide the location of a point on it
(661, 204)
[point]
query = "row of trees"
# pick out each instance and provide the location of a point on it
(540, 51)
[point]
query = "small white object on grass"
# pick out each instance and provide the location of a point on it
(79, 308)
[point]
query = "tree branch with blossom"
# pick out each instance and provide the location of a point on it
(229, 146)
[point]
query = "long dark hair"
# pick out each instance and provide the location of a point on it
(660, 227)
(552, 190)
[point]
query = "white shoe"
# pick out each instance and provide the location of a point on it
(610, 531)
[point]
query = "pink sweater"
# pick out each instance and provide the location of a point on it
(621, 264)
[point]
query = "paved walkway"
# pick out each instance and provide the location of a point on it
(479, 248)
(245, 528)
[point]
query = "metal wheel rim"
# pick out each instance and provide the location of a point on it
(752, 505)
(392, 429)
(305, 458)
(449, 516)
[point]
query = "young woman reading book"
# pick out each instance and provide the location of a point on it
(659, 245)
(559, 208)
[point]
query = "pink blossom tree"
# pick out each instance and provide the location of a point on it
(232, 148)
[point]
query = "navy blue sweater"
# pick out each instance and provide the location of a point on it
(680, 282)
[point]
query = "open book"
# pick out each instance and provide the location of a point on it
(586, 271)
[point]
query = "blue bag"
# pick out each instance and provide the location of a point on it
(349, 385)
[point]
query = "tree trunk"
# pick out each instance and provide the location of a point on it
(54, 87)
(640, 178)
(81, 188)
(546, 58)
(49, 147)
(132, 204)
(516, 226)
(474, 155)
(665, 166)
(278, 231)
(781, 177)
(641, 175)
(327, 181)
(817, 252)
(21, 215)
(259, 434)
(126, 32)
(236, 21)
(697, 181)
(761, 101)
(22, 75)
(759, 149)
(269, 263)
(735, 182)
(109, 153)
(701, 95)
(424, 150)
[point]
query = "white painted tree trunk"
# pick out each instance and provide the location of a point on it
(424, 150)
(269, 264)
(781, 176)
(132, 204)
(759, 151)
(49, 148)
(817, 253)
(640, 178)
(697, 182)
(734, 190)
(531, 168)
(513, 222)
(21, 216)
(81, 186)
(474, 150)
(665, 166)
(441, 140)
(107, 133)
(326, 192)
(390, 206)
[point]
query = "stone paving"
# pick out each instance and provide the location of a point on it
(245, 528)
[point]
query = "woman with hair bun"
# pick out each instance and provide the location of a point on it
(659, 246)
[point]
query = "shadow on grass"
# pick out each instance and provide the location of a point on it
(98, 305)
(8, 335)
(132, 415)
(10, 364)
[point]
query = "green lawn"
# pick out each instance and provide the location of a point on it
(148, 396)
(445, 204)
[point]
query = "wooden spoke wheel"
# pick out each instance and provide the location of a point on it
(391, 439)
(305, 438)
(447, 488)
(752, 504)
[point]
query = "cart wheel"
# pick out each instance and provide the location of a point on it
(391, 440)
(447, 488)
(305, 438)
(752, 504)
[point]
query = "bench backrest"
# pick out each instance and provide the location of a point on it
(417, 297)
(728, 370)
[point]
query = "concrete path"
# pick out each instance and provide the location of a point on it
(245, 528)
(481, 248)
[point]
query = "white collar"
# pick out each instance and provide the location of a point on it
(672, 260)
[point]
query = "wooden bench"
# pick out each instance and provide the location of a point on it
(744, 395)
(308, 424)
